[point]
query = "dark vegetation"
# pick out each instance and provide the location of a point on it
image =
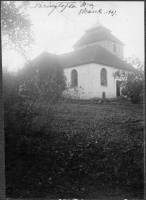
(133, 81)
(74, 149)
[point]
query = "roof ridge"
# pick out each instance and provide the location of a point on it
(91, 54)
(95, 26)
(94, 37)
(67, 53)
(44, 53)
(111, 54)
(117, 38)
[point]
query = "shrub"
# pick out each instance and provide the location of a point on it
(29, 97)
(132, 81)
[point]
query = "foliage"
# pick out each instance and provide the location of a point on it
(132, 81)
(29, 96)
(16, 26)
(30, 93)
(73, 93)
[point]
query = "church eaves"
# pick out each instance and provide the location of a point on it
(93, 54)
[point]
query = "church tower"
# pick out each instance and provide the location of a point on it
(99, 34)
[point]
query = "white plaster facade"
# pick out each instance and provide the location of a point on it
(89, 75)
(89, 82)
(107, 45)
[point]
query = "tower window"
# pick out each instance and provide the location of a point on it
(103, 76)
(74, 78)
(114, 48)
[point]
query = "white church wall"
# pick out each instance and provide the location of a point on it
(107, 45)
(89, 83)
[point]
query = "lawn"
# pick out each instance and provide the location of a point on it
(110, 120)
(115, 126)
(94, 150)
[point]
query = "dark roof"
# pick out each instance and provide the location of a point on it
(92, 54)
(97, 36)
(42, 56)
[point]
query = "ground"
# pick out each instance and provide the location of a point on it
(96, 142)
(117, 122)
(93, 117)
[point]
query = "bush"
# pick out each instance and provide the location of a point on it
(133, 88)
(132, 81)
(29, 96)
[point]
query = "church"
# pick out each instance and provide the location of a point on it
(90, 68)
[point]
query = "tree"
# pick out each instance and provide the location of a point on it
(16, 27)
(32, 92)
(30, 96)
(132, 81)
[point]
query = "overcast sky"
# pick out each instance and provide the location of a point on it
(56, 31)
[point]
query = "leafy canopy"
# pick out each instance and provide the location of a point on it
(29, 95)
(16, 27)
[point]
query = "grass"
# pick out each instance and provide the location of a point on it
(117, 122)
(97, 118)
(116, 126)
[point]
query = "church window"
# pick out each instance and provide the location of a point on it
(103, 76)
(114, 48)
(74, 78)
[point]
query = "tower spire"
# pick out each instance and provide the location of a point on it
(96, 25)
(97, 22)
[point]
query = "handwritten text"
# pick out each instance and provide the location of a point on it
(84, 7)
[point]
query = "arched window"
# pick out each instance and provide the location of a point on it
(74, 78)
(103, 76)
(114, 48)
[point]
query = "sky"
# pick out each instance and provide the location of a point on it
(57, 30)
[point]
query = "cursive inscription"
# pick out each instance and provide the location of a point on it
(84, 7)
(87, 8)
(62, 5)
(88, 11)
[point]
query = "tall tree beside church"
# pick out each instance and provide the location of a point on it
(16, 27)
